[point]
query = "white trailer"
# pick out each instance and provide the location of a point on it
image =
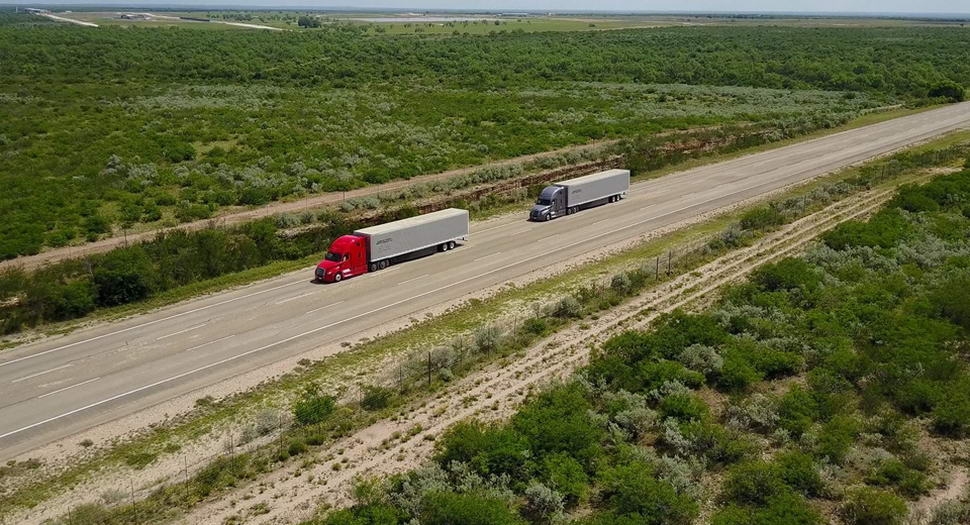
(413, 234)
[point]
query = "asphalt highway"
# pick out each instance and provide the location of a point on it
(58, 386)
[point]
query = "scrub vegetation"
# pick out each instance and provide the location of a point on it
(810, 391)
(459, 343)
(114, 129)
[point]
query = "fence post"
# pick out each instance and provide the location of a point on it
(656, 275)
(429, 369)
(669, 255)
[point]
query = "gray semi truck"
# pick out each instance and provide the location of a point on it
(569, 196)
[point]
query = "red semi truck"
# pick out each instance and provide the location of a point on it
(377, 247)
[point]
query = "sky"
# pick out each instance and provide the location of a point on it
(818, 6)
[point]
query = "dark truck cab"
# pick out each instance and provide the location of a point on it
(551, 204)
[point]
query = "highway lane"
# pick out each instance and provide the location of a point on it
(61, 385)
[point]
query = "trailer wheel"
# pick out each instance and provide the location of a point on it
(383, 264)
(451, 245)
(337, 277)
(373, 267)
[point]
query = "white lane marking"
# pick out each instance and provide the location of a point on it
(31, 376)
(292, 298)
(142, 325)
(487, 256)
(489, 229)
(322, 307)
(58, 391)
(413, 279)
(189, 329)
(602, 220)
(209, 343)
(358, 316)
(516, 232)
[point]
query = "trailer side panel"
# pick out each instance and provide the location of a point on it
(415, 233)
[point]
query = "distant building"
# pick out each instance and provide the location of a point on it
(36, 11)
(134, 16)
(515, 15)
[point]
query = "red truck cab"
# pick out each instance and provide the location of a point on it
(346, 257)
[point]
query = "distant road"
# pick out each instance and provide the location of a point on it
(61, 385)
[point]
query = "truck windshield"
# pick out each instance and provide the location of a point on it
(544, 202)
(334, 257)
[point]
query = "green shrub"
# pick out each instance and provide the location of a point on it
(488, 338)
(869, 506)
(124, 276)
(569, 307)
(654, 374)
(558, 421)
(788, 274)
(894, 473)
(376, 397)
(800, 472)
(313, 406)
(884, 230)
(912, 199)
(632, 490)
(564, 474)
(783, 509)
(753, 483)
(835, 438)
(737, 373)
(535, 326)
(684, 407)
(448, 508)
(368, 514)
(797, 410)
(487, 449)
(761, 218)
(949, 90)
(296, 447)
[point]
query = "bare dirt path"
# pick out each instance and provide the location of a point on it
(276, 208)
(388, 447)
(955, 489)
(69, 20)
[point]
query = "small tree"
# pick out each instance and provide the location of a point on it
(951, 91)
(376, 397)
(313, 406)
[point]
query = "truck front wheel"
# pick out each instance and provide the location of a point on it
(337, 277)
